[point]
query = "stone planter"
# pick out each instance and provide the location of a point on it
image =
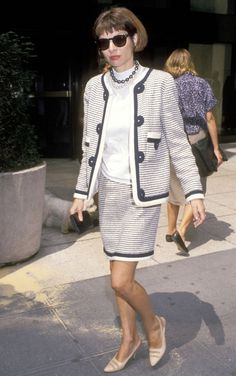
(22, 200)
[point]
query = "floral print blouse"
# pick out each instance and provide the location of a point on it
(196, 98)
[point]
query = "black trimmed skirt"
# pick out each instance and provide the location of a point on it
(128, 231)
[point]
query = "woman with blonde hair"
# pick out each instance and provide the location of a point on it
(196, 101)
(131, 124)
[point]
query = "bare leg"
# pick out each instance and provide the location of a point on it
(130, 337)
(172, 213)
(186, 220)
(131, 298)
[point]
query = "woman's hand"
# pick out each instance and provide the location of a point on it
(199, 215)
(77, 207)
(218, 156)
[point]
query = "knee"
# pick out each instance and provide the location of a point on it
(120, 287)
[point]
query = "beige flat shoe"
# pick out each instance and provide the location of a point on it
(155, 354)
(114, 365)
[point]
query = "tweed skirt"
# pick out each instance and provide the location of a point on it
(128, 232)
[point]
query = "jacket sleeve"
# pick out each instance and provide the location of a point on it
(179, 148)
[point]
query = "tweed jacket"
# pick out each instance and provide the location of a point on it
(156, 136)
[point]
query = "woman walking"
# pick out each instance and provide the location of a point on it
(196, 101)
(132, 127)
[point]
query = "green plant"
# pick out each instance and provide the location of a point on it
(18, 140)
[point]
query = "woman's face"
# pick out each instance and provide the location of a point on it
(120, 50)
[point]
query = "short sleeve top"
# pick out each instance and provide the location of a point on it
(196, 98)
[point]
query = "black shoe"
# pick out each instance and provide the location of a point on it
(169, 238)
(180, 243)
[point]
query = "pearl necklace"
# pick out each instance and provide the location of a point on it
(136, 67)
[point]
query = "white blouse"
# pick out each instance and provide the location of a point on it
(115, 163)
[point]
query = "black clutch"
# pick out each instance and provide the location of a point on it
(206, 161)
(81, 226)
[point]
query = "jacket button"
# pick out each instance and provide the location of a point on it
(91, 161)
(139, 88)
(140, 157)
(99, 128)
(139, 120)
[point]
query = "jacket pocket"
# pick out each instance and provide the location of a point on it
(153, 140)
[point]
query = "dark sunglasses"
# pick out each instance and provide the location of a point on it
(118, 40)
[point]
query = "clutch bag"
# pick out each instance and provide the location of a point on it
(205, 157)
(81, 226)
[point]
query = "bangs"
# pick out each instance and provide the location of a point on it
(110, 23)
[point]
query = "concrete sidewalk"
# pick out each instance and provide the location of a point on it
(57, 315)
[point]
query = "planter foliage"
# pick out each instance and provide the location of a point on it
(18, 140)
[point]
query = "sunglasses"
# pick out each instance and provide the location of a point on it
(118, 40)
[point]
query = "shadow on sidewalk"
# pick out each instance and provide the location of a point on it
(185, 313)
(212, 229)
(14, 303)
(52, 241)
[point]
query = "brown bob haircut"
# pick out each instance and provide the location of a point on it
(180, 62)
(120, 18)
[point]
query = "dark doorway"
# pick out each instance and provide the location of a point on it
(52, 111)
